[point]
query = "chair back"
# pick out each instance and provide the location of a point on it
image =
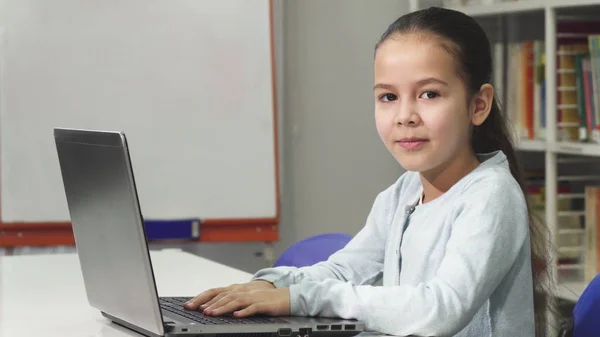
(586, 314)
(312, 250)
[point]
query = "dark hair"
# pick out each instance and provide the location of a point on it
(464, 38)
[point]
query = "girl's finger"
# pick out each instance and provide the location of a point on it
(213, 300)
(250, 310)
(230, 297)
(229, 307)
(202, 298)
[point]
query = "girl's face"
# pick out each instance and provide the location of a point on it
(421, 107)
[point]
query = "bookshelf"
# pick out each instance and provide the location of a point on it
(501, 8)
(531, 145)
(560, 131)
(520, 6)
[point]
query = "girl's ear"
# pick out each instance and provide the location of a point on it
(482, 104)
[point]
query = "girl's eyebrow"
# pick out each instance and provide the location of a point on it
(430, 80)
(425, 81)
(383, 86)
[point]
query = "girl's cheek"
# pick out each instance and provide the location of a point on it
(384, 125)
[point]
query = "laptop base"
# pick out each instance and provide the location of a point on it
(173, 329)
(129, 326)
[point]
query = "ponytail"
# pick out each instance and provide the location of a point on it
(493, 135)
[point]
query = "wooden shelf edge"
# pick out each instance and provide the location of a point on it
(531, 145)
(558, 4)
(572, 148)
(581, 149)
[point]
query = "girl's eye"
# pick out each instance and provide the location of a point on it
(429, 95)
(388, 97)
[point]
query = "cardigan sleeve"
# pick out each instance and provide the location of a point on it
(360, 262)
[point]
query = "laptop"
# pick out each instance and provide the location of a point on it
(113, 250)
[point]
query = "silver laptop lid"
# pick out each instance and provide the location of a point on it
(107, 224)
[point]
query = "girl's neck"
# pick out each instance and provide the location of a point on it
(439, 180)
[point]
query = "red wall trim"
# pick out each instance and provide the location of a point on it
(212, 230)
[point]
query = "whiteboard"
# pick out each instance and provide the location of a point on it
(188, 81)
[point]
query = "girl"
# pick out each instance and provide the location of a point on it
(452, 238)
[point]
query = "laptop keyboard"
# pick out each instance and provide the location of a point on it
(175, 305)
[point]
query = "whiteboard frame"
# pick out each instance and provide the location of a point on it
(14, 234)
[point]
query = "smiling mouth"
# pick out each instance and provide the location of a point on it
(412, 143)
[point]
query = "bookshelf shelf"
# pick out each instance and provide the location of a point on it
(521, 6)
(573, 148)
(558, 4)
(501, 8)
(532, 145)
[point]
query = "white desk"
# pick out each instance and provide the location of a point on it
(44, 295)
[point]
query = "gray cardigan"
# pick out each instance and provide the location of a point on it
(459, 265)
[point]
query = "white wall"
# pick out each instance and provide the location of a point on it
(334, 163)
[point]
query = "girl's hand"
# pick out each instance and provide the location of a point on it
(209, 297)
(272, 302)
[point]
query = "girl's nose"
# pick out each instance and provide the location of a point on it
(407, 115)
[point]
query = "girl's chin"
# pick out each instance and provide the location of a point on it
(414, 162)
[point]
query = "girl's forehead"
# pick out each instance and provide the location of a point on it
(412, 56)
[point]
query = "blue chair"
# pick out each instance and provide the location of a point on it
(312, 250)
(586, 314)
(585, 319)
